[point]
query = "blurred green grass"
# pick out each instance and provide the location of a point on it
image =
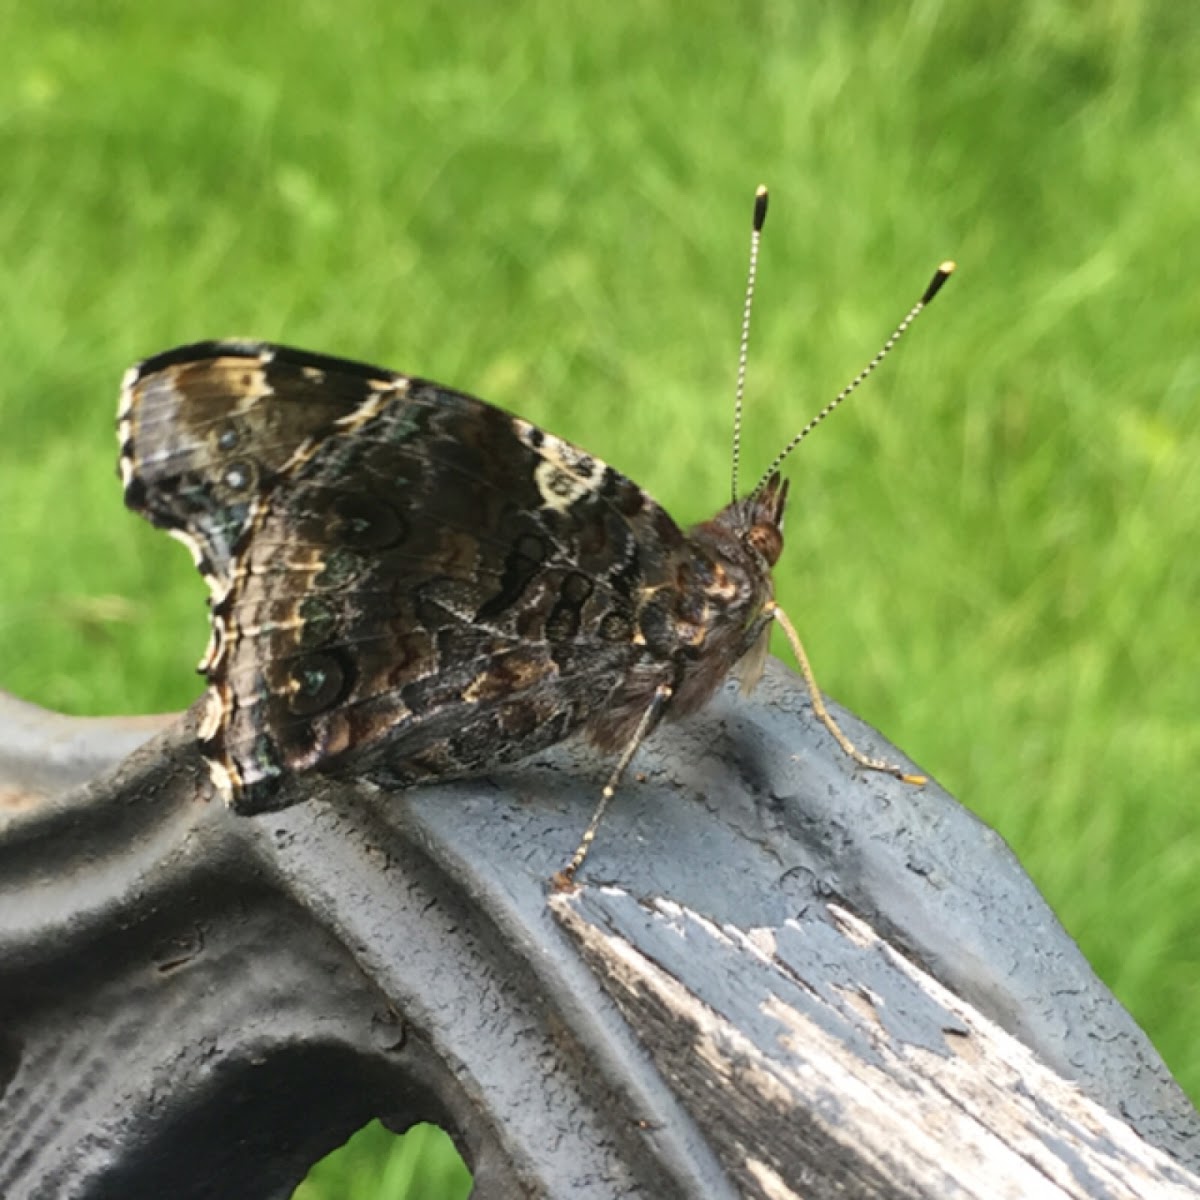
(991, 552)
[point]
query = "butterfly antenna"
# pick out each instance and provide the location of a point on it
(760, 216)
(935, 285)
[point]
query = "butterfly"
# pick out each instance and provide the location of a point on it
(410, 584)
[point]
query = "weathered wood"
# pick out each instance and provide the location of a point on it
(198, 1004)
(816, 1045)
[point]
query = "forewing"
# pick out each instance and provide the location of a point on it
(207, 430)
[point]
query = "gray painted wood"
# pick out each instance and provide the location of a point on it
(199, 1004)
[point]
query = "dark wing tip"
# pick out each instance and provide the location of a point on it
(198, 352)
(263, 352)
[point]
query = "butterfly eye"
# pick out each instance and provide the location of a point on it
(767, 541)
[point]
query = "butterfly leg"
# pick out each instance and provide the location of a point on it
(823, 715)
(566, 877)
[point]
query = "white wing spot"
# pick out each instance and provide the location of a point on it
(566, 474)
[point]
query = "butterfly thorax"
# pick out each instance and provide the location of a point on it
(739, 547)
(708, 616)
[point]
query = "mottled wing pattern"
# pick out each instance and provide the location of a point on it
(408, 583)
(206, 430)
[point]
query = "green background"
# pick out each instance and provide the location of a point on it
(992, 551)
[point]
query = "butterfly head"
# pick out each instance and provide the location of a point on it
(750, 530)
(763, 515)
(741, 544)
(744, 541)
(747, 537)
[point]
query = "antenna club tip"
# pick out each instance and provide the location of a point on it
(760, 208)
(939, 278)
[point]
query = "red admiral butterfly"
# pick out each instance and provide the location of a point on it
(409, 584)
